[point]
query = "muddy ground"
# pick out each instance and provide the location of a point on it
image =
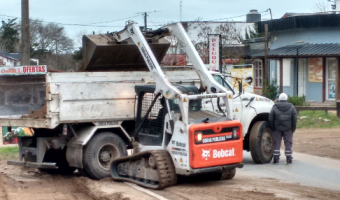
(21, 183)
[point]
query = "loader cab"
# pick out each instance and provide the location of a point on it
(151, 111)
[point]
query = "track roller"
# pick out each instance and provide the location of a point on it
(149, 169)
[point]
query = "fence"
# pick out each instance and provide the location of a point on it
(325, 108)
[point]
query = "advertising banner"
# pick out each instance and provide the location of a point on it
(214, 51)
(244, 74)
(315, 69)
(23, 70)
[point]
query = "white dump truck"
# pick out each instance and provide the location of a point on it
(90, 119)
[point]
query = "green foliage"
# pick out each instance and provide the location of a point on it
(316, 119)
(9, 35)
(77, 54)
(8, 152)
(298, 101)
(253, 33)
(269, 90)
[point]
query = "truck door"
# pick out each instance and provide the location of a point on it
(237, 102)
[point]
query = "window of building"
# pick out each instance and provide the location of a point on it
(258, 73)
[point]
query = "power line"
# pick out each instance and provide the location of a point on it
(76, 24)
(234, 17)
(145, 15)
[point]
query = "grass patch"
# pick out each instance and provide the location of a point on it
(9, 153)
(317, 119)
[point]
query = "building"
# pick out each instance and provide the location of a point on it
(9, 59)
(230, 35)
(304, 55)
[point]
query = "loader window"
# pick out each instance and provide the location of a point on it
(151, 131)
(194, 105)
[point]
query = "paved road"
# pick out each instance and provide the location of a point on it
(306, 170)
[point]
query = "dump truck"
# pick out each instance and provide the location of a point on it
(90, 119)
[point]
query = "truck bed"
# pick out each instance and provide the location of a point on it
(76, 97)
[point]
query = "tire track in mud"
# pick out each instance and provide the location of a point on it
(30, 185)
(245, 188)
(3, 193)
(92, 189)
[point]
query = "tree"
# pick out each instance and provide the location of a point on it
(253, 33)
(50, 44)
(77, 54)
(324, 7)
(49, 38)
(9, 35)
(230, 35)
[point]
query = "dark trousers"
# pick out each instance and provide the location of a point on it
(288, 140)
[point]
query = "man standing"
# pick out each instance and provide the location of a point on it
(282, 119)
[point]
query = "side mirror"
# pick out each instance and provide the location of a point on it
(240, 87)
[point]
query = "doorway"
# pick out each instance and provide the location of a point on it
(302, 77)
(330, 78)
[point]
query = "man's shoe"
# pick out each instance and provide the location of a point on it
(289, 161)
(276, 161)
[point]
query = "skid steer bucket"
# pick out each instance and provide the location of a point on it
(103, 53)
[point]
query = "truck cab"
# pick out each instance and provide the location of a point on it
(249, 109)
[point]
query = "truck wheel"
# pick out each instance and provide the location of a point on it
(101, 150)
(261, 142)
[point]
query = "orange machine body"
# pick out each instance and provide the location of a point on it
(217, 146)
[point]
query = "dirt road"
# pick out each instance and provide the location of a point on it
(19, 183)
(318, 142)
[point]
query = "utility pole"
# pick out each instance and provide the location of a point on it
(145, 15)
(25, 33)
(145, 21)
(266, 64)
(180, 10)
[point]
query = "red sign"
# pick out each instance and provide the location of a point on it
(23, 70)
(214, 41)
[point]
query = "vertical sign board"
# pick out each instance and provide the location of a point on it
(23, 70)
(315, 70)
(214, 52)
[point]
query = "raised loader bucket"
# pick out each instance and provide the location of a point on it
(104, 53)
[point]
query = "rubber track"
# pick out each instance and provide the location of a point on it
(228, 174)
(165, 167)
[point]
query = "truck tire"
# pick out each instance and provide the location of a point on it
(101, 150)
(261, 142)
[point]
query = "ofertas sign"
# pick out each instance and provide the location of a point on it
(23, 70)
(214, 51)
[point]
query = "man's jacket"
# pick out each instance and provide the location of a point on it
(283, 116)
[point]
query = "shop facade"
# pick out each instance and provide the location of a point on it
(304, 56)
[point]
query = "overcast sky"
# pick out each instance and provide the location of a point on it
(87, 12)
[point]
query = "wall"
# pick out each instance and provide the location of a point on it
(313, 36)
(9, 62)
(313, 90)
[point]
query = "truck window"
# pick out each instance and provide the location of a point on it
(221, 81)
